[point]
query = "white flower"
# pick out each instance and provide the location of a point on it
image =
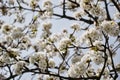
(23, 46)
(49, 48)
(4, 59)
(96, 10)
(40, 55)
(75, 26)
(94, 56)
(17, 33)
(85, 4)
(77, 69)
(71, 72)
(33, 4)
(106, 73)
(106, 26)
(2, 77)
(86, 58)
(55, 37)
(42, 64)
(76, 58)
(98, 59)
(51, 63)
(117, 16)
(39, 58)
(32, 34)
(6, 28)
(47, 26)
(8, 39)
(90, 71)
(48, 13)
(98, 45)
(85, 1)
(111, 28)
(70, 5)
(109, 62)
(47, 4)
(1, 61)
(40, 45)
(19, 66)
(42, 15)
(92, 34)
(118, 67)
(11, 2)
(64, 43)
(48, 77)
(13, 52)
(77, 15)
(20, 18)
(34, 27)
(32, 59)
(25, 40)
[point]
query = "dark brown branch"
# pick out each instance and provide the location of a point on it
(77, 4)
(55, 75)
(105, 55)
(115, 4)
(64, 12)
(71, 18)
(54, 14)
(91, 16)
(106, 7)
(113, 66)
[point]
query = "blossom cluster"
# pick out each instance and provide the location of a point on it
(86, 49)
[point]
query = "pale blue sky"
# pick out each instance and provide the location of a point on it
(58, 26)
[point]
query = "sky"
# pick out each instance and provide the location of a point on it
(58, 26)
